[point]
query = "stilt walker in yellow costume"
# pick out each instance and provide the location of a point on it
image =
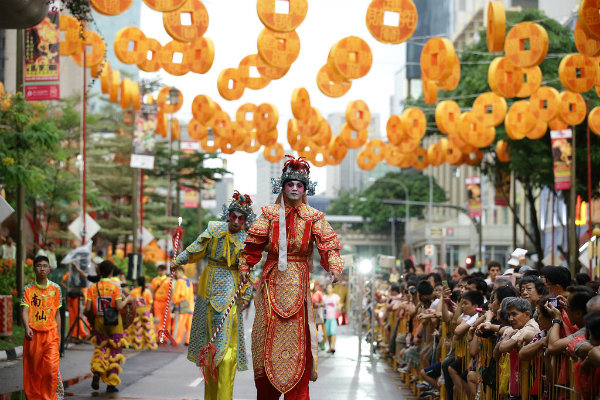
(284, 336)
(221, 244)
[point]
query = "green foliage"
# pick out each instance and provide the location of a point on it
(368, 202)
(29, 144)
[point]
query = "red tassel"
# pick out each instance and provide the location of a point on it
(206, 360)
(164, 334)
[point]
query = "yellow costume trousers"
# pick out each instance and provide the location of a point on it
(184, 327)
(222, 389)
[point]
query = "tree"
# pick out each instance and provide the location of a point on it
(530, 160)
(368, 202)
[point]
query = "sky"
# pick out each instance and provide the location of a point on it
(234, 27)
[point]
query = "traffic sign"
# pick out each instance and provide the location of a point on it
(429, 250)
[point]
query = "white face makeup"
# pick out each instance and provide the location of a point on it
(294, 190)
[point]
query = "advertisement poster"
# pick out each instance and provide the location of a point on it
(42, 60)
(502, 189)
(142, 155)
(474, 204)
(562, 155)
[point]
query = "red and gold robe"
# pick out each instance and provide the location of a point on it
(283, 302)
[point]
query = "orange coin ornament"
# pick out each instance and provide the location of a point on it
(557, 124)
(123, 39)
(585, 44)
(351, 57)
(532, 80)
(358, 115)
(496, 26)
(94, 57)
(201, 54)
(394, 130)
(300, 103)
(353, 139)
(491, 107)
(203, 108)
(163, 95)
(245, 68)
(572, 109)
(245, 115)
(408, 145)
(588, 15)
(284, 19)
(151, 64)
(188, 32)
(414, 123)
(110, 7)
(452, 81)
(330, 88)
(594, 120)
(526, 44)
(577, 73)
(404, 11)
(519, 118)
(538, 131)
(437, 59)
(196, 130)
(365, 160)
(278, 49)
(164, 5)
(544, 103)
(268, 71)
(505, 79)
(173, 58)
(71, 44)
(376, 148)
(430, 92)
(502, 151)
(230, 85)
(273, 153)
(266, 117)
(447, 115)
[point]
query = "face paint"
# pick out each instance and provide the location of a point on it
(236, 220)
(294, 190)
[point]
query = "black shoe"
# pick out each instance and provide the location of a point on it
(96, 381)
(111, 389)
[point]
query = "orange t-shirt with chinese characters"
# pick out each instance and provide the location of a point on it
(142, 300)
(103, 295)
(43, 303)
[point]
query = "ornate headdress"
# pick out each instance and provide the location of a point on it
(294, 169)
(241, 203)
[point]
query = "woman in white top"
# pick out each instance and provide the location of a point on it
(331, 301)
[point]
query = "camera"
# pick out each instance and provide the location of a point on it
(553, 301)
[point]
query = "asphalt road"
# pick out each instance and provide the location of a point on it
(167, 374)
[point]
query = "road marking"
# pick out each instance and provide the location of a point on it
(196, 382)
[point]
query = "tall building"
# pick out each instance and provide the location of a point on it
(347, 175)
(223, 192)
(265, 171)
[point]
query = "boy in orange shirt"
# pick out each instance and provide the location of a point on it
(39, 306)
(160, 291)
(184, 303)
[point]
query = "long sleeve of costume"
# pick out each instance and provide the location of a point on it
(256, 241)
(195, 251)
(328, 246)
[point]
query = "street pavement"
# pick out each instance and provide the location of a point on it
(167, 374)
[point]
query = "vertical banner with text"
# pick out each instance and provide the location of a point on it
(562, 155)
(142, 155)
(502, 189)
(41, 73)
(474, 205)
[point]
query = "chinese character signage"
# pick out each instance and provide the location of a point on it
(142, 155)
(42, 60)
(562, 155)
(474, 196)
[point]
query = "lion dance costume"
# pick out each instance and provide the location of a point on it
(284, 337)
(216, 288)
(141, 334)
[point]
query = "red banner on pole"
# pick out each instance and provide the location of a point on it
(562, 154)
(474, 196)
(42, 60)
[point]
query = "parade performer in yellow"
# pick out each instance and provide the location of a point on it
(220, 244)
(104, 300)
(184, 305)
(160, 291)
(284, 337)
(141, 334)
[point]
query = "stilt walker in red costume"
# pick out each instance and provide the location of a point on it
(284, 337)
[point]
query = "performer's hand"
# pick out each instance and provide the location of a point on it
(28, 333)
(244, 305)
(244, 277)
(334, 276)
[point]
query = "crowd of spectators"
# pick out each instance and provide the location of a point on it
(519, 334)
